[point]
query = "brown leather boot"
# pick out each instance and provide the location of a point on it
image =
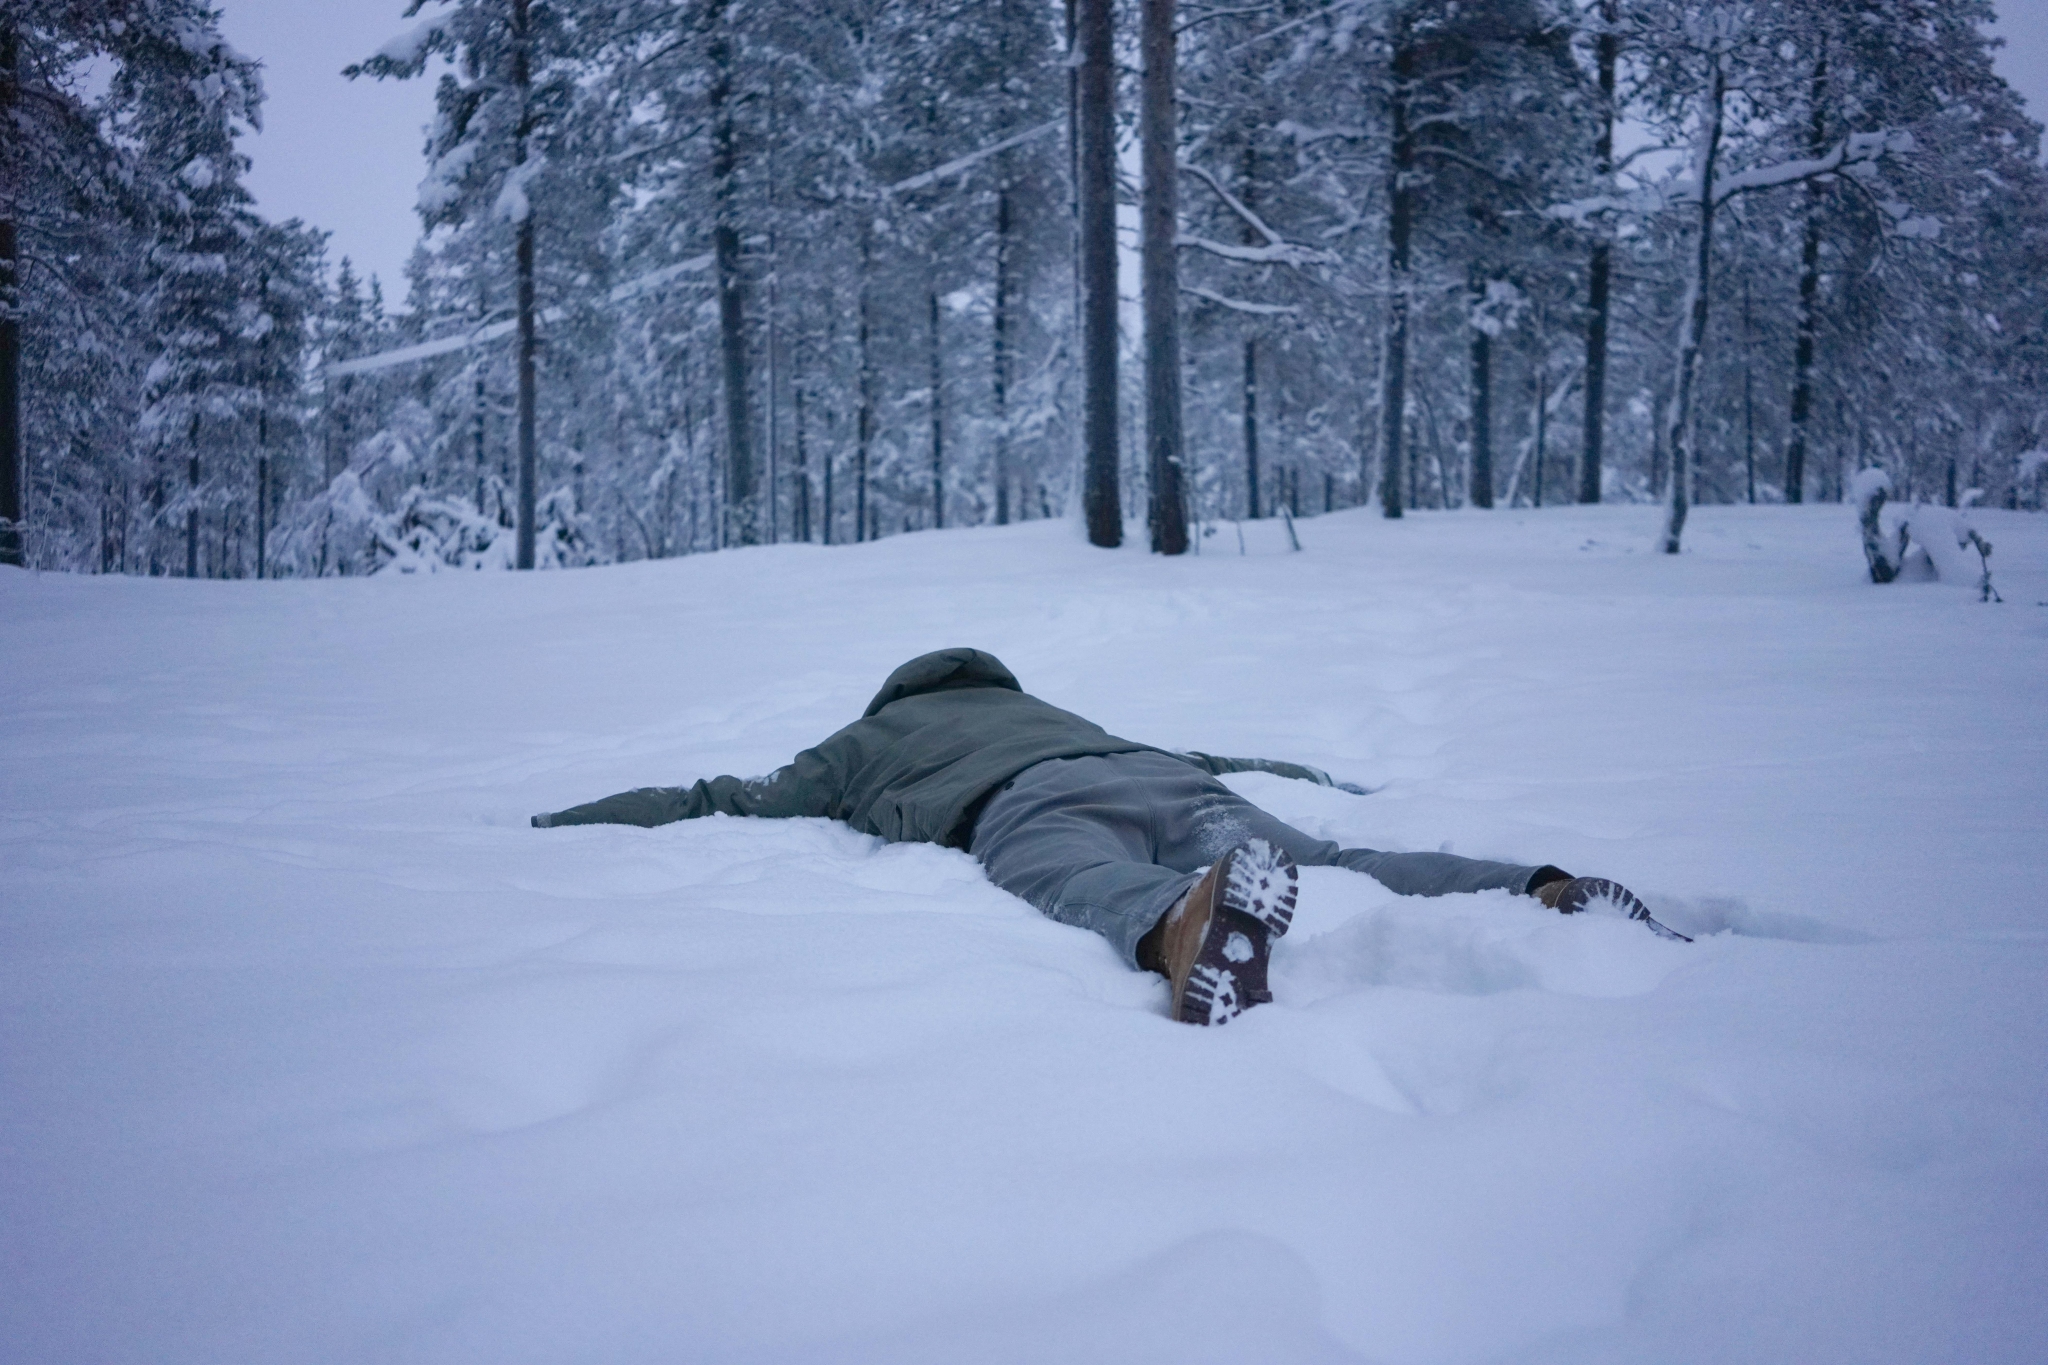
(1570, 895)
(1213, 946)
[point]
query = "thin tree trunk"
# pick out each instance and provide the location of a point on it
(1095, 109)
(522, 82)
(1694, 340)
(938, 424)
(865, 415)
(1597, 306)
(1251, 362)
(732, 325)
(803, 468)
(999, 358)
(1160, 221)
(478, 434)
(1809, 302)
(10, 369)
(1400, 224)
(1251, 428)
(1481, 492)
(1748, 402)
(774, 356)
(825, 507)
(262, 490)
(192, 513)
(1542, 425)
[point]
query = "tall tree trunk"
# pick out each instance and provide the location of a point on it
(1809, 301)
(1251, 428)
(1693, 344)
(1597, 272)
(192, 489)
(1251, 360)
(1095, 110)
(825, 503)
(1400, 225)
(725, 243)
(262, 489)
(1159, 217)
(773, 491)
(529, 473)
(999, 358)
(1748, 402)
(10, 372)
(1481, 492)
(864, 419)
(938, 424)
(803, 467)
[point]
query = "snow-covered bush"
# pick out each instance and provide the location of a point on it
(379, 515)
(1938, 541)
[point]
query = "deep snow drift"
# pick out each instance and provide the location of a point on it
(310, 1050)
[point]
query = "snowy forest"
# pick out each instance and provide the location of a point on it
(704, 273)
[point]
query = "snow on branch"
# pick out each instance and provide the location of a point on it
(406, 54)
(969, 161)
(1857, 150)
(1238, 305)
(477, 336)
(1276, 249)
(513, 205)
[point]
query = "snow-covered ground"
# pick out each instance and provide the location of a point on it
(311, 1050)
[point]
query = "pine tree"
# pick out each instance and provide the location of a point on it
(513, 76)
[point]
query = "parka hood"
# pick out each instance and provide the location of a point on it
(943, 670)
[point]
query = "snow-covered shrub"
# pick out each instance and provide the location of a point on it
(1939, 541)
(1884, 533)
(380, 515)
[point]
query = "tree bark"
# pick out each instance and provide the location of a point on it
(1809, 303)
(999, 359)
(938, 423)
(10, 381)
(1160, 223)
(1251, 365)
(803, 468)
(1095, 107)
(529, 473)
(732, 325)
(1400, 225)
(262, 491)
(1481, 492)
(1694, 335)
(864, 418)
(1597, 306)
(1748, 403)
(1251, 428)
(192, 488)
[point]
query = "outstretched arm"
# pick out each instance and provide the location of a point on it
(800, 788)
(1215, 766)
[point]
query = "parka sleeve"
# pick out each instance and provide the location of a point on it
(807, 786)
(1216, 766)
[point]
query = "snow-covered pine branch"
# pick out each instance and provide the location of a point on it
(1239, 305)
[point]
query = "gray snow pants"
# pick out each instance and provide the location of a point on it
(1110, 842)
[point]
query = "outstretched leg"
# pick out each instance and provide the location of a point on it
(1112, 842)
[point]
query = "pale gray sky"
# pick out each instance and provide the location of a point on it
(345, 155)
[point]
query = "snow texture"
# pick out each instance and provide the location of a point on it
(409, 48)
(1867, 484)
(313, 1051)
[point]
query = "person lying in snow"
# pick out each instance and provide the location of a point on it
(1144, 846)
